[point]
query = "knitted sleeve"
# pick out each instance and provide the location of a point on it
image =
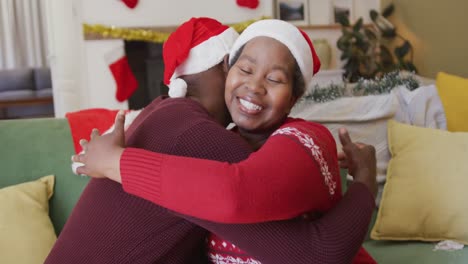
(286, 177)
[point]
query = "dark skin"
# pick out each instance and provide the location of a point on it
(207, 88)
(259, 96)
(360, 160)
(259, 89)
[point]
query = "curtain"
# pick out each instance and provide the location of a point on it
(23, 35)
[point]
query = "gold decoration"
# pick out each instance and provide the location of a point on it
(239, 27)
(141, 34)
(125, 33)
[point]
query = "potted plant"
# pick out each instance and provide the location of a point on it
(366, 49)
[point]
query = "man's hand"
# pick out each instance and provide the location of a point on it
(101, 157)
(360, 160)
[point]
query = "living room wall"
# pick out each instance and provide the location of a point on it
(438, 29)
(169, 13)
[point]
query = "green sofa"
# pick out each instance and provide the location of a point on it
(31, 148)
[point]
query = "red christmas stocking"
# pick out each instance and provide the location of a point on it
(248, 3)
(130, 3)
(125, 80)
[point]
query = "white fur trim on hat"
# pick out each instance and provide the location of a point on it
(206, 54)
(285, 33)
(177, 88)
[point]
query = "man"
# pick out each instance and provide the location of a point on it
(110, 226)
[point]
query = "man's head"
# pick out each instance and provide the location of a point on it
(193, 58)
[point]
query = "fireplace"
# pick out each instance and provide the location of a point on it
(146, 62)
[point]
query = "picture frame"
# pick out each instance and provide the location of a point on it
(293, 11)
(343, 7)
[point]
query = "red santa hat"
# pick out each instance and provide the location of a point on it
(296, 40)
(196, 46)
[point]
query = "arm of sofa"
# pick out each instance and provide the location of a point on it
(32, 148)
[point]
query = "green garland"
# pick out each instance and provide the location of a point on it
(385, 84)
(325, 94)
(363, 87)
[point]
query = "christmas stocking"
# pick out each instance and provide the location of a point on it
(130, 3)
(248, 3)
(125, 80)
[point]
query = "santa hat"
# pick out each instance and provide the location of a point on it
(196, 46)
(296, 40)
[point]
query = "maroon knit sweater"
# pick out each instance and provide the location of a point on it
(110, 226)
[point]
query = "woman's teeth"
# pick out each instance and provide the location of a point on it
(250, 106)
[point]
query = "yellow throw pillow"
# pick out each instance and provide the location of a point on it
(425, 196)
(26, 232)
(453, 92)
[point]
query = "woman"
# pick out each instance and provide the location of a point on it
(271, 64)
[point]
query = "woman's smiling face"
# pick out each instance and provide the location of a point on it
(259, 86)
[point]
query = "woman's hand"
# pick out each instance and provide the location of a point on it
(101, 157)
(360, 160)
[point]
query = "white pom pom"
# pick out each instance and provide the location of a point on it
(177, 88)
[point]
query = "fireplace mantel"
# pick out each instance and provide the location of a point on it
(170, 29)
(96, 36)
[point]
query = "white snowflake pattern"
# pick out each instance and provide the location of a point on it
(219, 259)
(308, 142)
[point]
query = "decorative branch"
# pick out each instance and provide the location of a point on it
(363, 87)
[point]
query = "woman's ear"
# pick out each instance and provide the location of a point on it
(226, 63)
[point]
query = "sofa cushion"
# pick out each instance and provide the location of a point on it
(42, 78)
(453, 91)
(17, 79)
(44, 93)
(17, 95)
(425, 195)
(26, 232)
